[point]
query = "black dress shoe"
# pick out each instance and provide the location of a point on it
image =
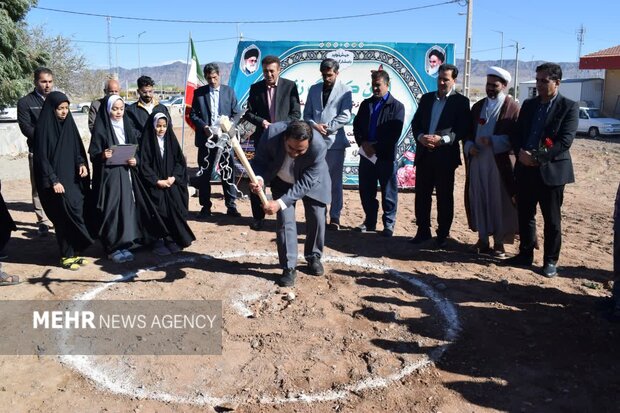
(204, 213)
(232, 212)
(441, 242)
(519, 260)
(366, 228)
(288, 278)
(550, 269)
(314, 265)
(257, 224)
(334, 225)
(387, 232)
(419, 238)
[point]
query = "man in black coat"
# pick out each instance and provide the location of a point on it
(377, 128)
(439, 123)
(28, 111)
(545, 131)
(273, 99)
(139, 112)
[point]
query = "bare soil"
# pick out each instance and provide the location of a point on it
(523, 343)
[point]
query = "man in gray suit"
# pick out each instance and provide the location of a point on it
(327, 110)
(210, 102)
(293, 162)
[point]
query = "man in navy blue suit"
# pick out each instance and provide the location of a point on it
(210, 102)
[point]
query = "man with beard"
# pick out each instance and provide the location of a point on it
(327, 110)
(139, 112)
(489, 187)
(28, 111)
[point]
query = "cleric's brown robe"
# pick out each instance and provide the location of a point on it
(505, 161)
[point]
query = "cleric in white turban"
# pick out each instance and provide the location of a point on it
(489, 186)
(500, 73)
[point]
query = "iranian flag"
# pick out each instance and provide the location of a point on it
(195, 79)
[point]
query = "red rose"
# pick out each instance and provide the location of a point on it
(548, 143)
(482, 121)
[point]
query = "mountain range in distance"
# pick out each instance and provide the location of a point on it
(174, 74)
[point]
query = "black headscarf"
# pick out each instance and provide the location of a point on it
(58, 154)
(58, 147)
(171, 203)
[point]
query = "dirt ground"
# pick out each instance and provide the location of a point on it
(390, 328)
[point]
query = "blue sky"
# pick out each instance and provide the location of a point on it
(546, 29)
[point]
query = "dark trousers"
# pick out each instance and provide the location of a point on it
(257, 207)
(385, 173)
(227, 172)
(531, 191)
(439, 176)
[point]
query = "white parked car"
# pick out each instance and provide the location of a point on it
(594, 124)
(177, 105)
(8, 114)
(83, 107)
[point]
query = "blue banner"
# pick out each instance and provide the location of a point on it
(412, 68)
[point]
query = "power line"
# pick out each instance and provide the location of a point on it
(156, 43)
(353, 16)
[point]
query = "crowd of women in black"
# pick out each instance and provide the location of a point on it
(142, 200)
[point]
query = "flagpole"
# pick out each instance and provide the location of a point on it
(189, 46)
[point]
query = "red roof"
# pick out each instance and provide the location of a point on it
(603, 59)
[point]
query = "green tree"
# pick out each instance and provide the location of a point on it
(18, 59)
(65, 60)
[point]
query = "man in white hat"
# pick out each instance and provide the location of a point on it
(489, 187)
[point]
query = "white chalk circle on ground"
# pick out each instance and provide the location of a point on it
(115, 380)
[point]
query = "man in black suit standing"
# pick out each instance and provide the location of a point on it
(210, 102)
(293, 163)
(377, 128)
(273, 99)
(28, 111)
(440, 122)
(545, 131)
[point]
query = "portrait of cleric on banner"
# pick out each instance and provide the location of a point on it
(406, 64)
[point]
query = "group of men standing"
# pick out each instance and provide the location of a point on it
(515, 160)
(303, 160)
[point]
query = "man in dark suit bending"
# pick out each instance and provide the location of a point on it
(293, 163)
(545, 131)
(273, 99)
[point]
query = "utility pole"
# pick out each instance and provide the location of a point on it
(516, 80)
(109, 20)
(501, 49)
(467, 49)
(581, 32)
(139, 64)
(116, 46)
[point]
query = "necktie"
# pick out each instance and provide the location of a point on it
(271, 101)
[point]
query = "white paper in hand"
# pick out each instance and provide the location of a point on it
(372, 158)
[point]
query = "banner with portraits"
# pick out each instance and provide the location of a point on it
(412, 68)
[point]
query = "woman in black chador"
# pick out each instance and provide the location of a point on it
(164, 173)
(62, 177)
(126, 216)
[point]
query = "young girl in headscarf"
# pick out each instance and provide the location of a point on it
(164, 172)
(127, 217)
(62, 177)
